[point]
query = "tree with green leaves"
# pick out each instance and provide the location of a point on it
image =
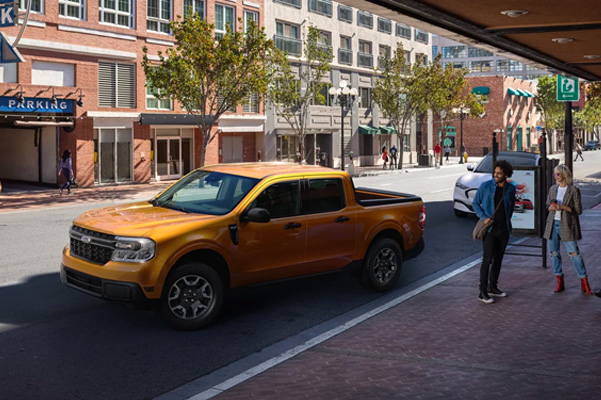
(208, 77)
(551, 110)
(292, 93)
(446, 87)
(399, 92)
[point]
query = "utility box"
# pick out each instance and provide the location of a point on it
(424, 160)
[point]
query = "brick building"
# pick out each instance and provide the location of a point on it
(82, 88)
(510, 109)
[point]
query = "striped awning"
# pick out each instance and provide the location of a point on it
(512, 92)
(368, 130)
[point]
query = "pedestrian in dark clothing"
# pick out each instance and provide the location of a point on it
(578, 152)
(384, 156)
(65, 172)
(393, 152)
(563, 224)
(447, 152)
(497, 191)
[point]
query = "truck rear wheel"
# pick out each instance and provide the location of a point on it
(382, 264)
(192, 296)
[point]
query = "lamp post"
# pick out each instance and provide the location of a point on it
(345, 96)
(463, 113)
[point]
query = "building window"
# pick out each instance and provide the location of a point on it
(287, 38)
(116, 85)
(72, 8)
(509, 65)
(224, 17)
(158, 14)
(119, 13)
(345, 13)
(480, 66)
(325, 95)
(345, 52)
(423, 57)
(455, 65)
(114, 149)
(250, 16)
(434, 51)
(325, 40)
(323, 7)
(453, 52)
(476, 52)
(365, 19)
(153, 103)
(384, 25)
(531, 68)
(251, 104)
(364, 97)
(36, 5)
(421, 36)
(403, 31)
(194, 7)
(364, 56)
(293, 3)
(383, 55)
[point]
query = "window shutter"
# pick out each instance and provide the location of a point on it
(126, 86)
(106, 84)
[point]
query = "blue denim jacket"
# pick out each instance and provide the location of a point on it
(484, 202)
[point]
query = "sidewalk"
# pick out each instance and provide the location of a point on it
(444, 343)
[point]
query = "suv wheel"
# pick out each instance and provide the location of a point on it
(192, 296)
(382, 264)
(460, 214)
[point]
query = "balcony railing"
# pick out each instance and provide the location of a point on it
(345, 56)
(365, 60)
(292, 46)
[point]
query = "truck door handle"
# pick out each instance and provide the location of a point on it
(342, 219)
(292, 225)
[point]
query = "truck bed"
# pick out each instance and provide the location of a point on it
(374, 197)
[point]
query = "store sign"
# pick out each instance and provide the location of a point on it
(7, 13)
(567, 89)
(36, 105)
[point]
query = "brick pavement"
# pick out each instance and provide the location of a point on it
(444, 343)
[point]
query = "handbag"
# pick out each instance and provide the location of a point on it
(481, 228)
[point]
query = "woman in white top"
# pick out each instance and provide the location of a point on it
(65, 171)
(563, 224)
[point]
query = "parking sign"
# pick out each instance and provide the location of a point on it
(567, 89)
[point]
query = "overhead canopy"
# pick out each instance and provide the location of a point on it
(368, 130)
(522, 93)
(512, 92)
(528, 93)
(494, 26)
(387, 130)
(481, 90)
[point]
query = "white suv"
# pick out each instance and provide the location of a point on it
(467, 185)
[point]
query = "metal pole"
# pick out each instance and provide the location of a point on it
(342, 101)
(461, 149)
(495, 148)
(568, 137)
(543, 196)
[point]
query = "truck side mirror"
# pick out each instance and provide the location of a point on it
(470, 167)
(260, 215)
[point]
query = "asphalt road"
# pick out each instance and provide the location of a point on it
(60, 344)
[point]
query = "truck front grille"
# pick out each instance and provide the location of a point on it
(96, 247)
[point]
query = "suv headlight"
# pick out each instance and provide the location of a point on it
(129, 249)
(461, 185)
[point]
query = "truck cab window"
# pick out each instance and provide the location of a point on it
(323, 195)
(280, 199)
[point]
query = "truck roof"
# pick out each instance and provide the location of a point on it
(261, 170)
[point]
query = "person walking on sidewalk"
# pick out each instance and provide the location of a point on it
(393, 152)
(65, 172)
(447, 152)
(497, 191)
(437, 154)
(563, 224)
(578, 152)
(384, 156)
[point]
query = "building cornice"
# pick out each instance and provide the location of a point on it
(48, 46)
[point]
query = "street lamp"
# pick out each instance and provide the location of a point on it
(463, 113)
(345, 96)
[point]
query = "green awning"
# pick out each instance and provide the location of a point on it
(368, 130)
(522, 93)
(529, 94)
(481, 90)
(512, 92)
(387, 130)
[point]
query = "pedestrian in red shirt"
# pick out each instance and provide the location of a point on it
(436, 153)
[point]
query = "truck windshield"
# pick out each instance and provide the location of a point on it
(206, 192)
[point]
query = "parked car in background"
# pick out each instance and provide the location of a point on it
(592, 145)
(467, 185)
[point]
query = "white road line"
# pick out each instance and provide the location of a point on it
(385, 184)
(441, 190)
(236, 380)
(443, 176)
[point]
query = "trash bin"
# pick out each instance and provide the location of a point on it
(423, 160)
(484, 151)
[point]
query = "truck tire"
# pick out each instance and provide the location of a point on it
(192, 296)
(382, 264)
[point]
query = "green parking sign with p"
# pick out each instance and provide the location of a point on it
(567, 89)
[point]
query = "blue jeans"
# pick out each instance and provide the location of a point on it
(571, 248)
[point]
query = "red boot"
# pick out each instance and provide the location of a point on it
(586, 289)
(559, 286)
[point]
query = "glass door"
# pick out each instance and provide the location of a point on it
(168, 158)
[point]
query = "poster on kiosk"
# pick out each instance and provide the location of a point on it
(527, 209)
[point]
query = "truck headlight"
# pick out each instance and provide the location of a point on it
(461, 186)
(129, 249)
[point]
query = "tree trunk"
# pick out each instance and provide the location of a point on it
(401, 151)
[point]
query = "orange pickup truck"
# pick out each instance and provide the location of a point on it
(230, 225)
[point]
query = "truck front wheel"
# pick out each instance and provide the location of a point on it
(382, 264)
(192, 296)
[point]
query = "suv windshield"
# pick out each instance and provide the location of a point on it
(206, 192)
(518, 159)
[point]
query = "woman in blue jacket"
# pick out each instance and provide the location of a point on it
(495, 241)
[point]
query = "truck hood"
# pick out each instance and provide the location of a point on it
(135, 219)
